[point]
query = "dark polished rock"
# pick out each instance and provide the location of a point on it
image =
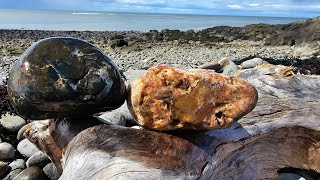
(59, 77)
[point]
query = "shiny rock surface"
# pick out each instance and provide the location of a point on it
(58, 77)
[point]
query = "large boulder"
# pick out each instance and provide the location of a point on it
(58, 77)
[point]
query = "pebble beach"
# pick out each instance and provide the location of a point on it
(143, 55)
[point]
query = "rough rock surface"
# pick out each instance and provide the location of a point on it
(12, 123)
(294, 33)
(18, 164)
(167, 98)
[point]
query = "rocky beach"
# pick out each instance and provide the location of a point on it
(187, 49)
(222, 49)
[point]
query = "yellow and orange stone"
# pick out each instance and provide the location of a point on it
(167, 98)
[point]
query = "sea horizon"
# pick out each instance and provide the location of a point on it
(73, 20)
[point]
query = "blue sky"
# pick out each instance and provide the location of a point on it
(277, 8)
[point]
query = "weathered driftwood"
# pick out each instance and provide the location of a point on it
(282, 131)
(53, 136)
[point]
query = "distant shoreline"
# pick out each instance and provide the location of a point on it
(140, 50)
(271, 34)
(127, 12)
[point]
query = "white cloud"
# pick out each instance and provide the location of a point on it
(274, 5)
(313, 7)
(254, 5)
(98, 4)
(235, 6)
(142, 7)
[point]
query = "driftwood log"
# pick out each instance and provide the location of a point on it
(282, 131)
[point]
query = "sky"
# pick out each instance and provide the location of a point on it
(275, 8)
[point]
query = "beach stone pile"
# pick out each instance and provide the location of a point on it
(229, 67)
(54, 78)
(19, 158)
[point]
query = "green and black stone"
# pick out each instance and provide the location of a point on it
(59, 77)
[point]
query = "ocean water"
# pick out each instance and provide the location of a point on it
(114, 21)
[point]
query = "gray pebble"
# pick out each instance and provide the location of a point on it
(12, 123)
(211, 65)
(289, 176)
(229, 67)
(38, 159)
(2, 80)
(132, 75)
(13, 174)
(182, 54)
(26, 148)
(122, 115)
(136, 127)
(6, 151)
(251, 63)
(118, 116)
(51, 171)
(18, 164)
(3, 168)
(20, 135)
(175, 65)
(30, 173)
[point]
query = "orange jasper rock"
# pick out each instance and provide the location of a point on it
(167, 98)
